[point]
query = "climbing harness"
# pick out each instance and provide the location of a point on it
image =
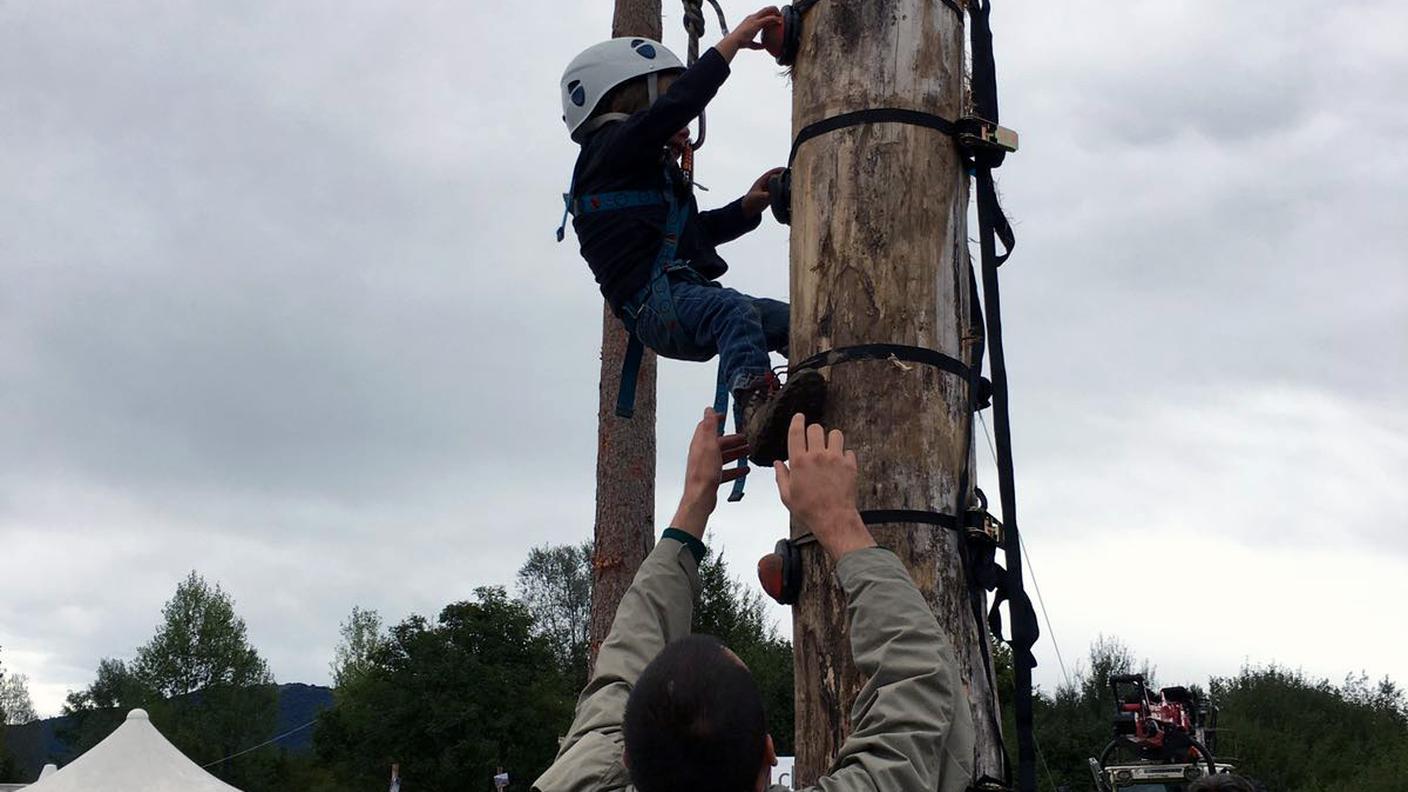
(984, 145)
(656, 294)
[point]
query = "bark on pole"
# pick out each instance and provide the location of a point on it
(879, 254)
(625, 455)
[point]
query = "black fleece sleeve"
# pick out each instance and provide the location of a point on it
(727, 223)
(645, 132)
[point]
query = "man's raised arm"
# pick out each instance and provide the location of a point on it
(655, 610)
(911, 730)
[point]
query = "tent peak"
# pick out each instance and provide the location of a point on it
(138, 714)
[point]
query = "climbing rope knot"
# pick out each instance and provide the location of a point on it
(694, 19)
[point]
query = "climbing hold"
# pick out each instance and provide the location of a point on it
(784, 42)
(780, 196)
(780, 572)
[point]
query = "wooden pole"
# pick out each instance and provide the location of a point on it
(879, 254)
(625, 456)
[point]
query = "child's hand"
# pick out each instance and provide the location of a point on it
(679, 143)
(745, 35)
(759, 195)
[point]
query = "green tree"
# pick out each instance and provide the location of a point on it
(555, 583)
(450, 700)
(205, 686)
(94, 712)
(734, 613)
(361, 637)
(1307, 735)
(115, 686)
(7, 767)
(16, 707)
(1290, 732)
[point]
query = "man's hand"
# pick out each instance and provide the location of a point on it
(744, 36)
(708, 453)
(818, 485)
(758, 196)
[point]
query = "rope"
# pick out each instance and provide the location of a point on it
(723, 23)
(261, 745)
(694, 26)
(1042, 756)
(1031, 570)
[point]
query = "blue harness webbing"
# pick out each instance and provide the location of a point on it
(656, 294)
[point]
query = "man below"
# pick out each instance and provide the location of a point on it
(666, 711)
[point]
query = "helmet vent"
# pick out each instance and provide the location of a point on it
(577, 93)
(643, 48)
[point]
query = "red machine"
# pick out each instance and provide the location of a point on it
(1173, 725)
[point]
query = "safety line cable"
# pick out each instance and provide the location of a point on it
(1042, 756)
(1031, 570)
(261, 745)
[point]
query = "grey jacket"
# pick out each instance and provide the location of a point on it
(911, 726)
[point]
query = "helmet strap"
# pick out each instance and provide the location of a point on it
(597, 123)
(653, 84)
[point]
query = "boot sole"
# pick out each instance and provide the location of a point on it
(804, 393)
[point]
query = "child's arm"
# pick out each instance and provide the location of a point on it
(645, 132)
(741, 216)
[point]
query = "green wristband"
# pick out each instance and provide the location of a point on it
(696, 547)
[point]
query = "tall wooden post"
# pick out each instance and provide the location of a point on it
(625, 451)
(879, 254)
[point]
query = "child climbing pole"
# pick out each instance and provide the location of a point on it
(628, 102)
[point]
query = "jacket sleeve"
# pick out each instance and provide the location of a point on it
(727, 223)
(912, 730)
(656, 609)
(645, 132)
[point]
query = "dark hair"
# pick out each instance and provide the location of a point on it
(628, 97)
(695, 722)
(631, 96)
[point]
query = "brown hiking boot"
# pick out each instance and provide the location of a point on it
(766, 411)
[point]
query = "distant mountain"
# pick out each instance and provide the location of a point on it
(299, 704)
(33, 744)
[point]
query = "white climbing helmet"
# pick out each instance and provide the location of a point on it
(604, 66)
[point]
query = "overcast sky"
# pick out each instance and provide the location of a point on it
(281, 304)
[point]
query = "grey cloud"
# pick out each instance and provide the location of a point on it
(282, 302)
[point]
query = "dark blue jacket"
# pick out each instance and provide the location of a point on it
(620, 246)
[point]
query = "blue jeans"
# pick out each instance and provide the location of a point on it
(718, 321)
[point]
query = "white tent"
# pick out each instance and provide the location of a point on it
(135, 758)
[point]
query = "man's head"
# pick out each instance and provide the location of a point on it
(695, 722)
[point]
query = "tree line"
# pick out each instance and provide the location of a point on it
(491, 682)
(16, 709)
(1283, 729)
